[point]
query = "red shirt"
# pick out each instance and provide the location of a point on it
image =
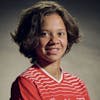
(36, 84)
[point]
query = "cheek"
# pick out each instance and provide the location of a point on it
(64, 42)
(43, 43)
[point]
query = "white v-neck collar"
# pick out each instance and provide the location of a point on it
(49, 75)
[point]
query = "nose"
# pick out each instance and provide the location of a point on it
(54, 39)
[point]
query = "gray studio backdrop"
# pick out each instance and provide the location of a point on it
(83, 60)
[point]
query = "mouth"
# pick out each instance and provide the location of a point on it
(52, 51)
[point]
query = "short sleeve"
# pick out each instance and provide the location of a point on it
(24, 89)
(87, 97)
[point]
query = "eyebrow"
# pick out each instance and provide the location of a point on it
(60, 29)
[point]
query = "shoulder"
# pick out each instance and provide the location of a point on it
(73, 79)
(76, 83)
(30, 73)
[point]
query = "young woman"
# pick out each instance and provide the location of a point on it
(46, 32)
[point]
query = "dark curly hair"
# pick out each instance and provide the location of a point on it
(29, 27)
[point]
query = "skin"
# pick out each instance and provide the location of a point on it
(53, 43)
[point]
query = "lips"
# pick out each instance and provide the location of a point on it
(52, 51)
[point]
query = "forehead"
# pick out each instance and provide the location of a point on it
(52, 19)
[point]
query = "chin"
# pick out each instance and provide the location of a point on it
(52, 59)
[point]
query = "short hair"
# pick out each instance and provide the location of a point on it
(29, 27)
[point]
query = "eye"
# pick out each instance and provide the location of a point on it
(44, 34)
(61, 33)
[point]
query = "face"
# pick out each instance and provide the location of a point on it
(53, 39)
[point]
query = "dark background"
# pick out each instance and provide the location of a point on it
(83, 60)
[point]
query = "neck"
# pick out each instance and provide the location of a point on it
(52, 68)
